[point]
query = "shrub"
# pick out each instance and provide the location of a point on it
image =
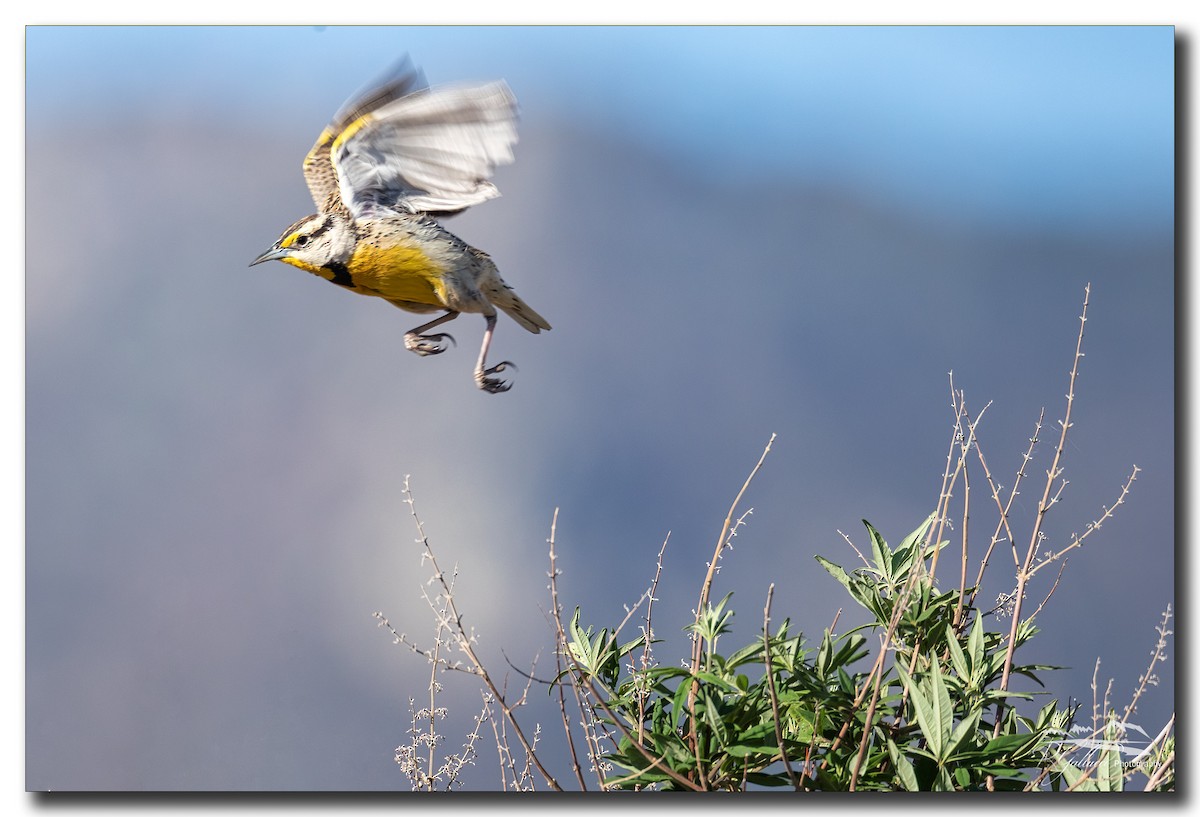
(918, 698)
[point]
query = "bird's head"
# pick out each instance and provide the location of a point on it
(313, 243)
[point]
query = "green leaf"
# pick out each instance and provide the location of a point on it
(799, 723)
(933, 709)
(957, 657)
(746, 745)
(943, 781)
(880, 552)
(910, 547)
(861, 589)
(922, 710)
(975, 643)
(712, 679)
(712, 716)
(1006, 745)
(1027, 671)
(918, 535)
(965, 730)
(679, 703)
(1071, 775)
(630, 646)
(837, 571)
(1108, 773)
(745, 655)
(904, 768)
(853, 648)
(940, 696)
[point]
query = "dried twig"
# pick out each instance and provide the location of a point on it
(770, 666)
(702, 604)
(594, 751)
(1004, 507)
(648, 635)
(1052, 475)
(454, 622)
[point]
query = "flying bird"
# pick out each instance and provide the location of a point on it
(395, 160)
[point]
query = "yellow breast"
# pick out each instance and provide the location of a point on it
(398, 271)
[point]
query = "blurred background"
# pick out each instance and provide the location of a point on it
(734, 231)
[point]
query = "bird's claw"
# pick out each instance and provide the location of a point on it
(425, 345)
(494, 385)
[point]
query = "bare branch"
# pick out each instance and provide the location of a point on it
(464, 641)
(770, 667)
(1052, 474)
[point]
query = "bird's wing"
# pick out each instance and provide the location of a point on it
(401, 79)
(429, 151)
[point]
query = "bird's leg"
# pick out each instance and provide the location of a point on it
(490, 384)
(416, 341)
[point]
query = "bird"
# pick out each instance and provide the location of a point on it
(394, 161)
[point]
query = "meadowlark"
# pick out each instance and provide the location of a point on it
(394, 160)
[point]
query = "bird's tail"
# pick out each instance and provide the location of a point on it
(521, 312)
(502, 296)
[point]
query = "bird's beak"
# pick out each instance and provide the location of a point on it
(273, 254)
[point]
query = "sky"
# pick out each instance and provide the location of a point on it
(1061, 126)
(735, 232)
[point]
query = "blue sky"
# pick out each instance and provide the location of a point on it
(1069, 127)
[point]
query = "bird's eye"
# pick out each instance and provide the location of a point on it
(301, 240)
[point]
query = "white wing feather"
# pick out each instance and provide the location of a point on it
(430, 152)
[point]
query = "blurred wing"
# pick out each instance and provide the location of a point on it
(401, 80)
(431, 151)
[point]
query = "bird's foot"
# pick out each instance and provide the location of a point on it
(494, 385)
(425, 345)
